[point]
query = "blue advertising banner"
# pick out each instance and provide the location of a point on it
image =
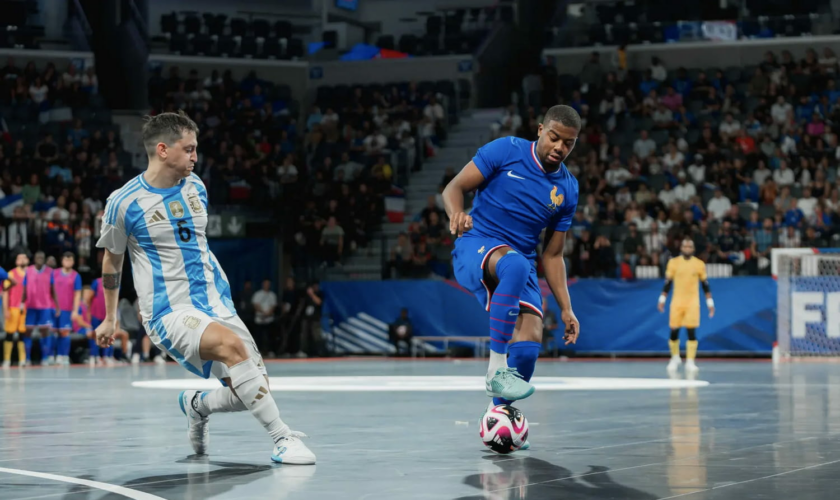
(616, 316)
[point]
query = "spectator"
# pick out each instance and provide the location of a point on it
(264, 302)
(730, 126)
(793, 216)
(401, 257)
(790, 238)
(783, 176)
(807, 203)
(617, 175)
(633, 243)
(332, 242)
(657, 70)
(311, 334)
(672, 100)
(644, 145)
(684, 190)
(782, 111)
(401, 332)
(592, 74)
(719, 205)
(697, 170)
(667, 196)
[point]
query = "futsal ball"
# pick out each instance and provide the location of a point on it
(503, 429)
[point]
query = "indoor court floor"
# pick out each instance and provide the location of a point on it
(406, 429)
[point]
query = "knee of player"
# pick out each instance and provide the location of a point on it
(513, 264)
(233, 349)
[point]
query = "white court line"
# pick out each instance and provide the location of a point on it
(111, 488)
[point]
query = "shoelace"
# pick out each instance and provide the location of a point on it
(295, 435)
(510, 372)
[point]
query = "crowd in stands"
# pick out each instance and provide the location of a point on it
(325, 178)
(741, 160)
(54, 177)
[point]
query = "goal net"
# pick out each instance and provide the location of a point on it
(808, 301)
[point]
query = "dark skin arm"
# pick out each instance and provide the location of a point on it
(469, 179)
(555, 276)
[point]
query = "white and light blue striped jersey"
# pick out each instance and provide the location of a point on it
(164, 231)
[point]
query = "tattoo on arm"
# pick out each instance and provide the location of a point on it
(111, 281)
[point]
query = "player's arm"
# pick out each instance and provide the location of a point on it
(111, 276)
(54, 295)
(469, 179)
(704, 282)
(555, 276)
(666, 288)
(114, 239)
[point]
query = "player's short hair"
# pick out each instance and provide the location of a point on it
(167, 128)
(68, 254)
(564, 115)
(687, 238)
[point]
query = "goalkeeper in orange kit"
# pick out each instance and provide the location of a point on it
(685, 273)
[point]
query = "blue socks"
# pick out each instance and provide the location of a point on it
(523, 357)
(94, 348)
(512, 270)
(108, 353)
(64, 346)
(47, 346)
(27, 344)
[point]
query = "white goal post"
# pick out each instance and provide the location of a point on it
(808, 301)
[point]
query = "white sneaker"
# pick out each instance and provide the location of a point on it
(92, 361)
(159, 360)
(674, 364)
(301, 355)
(22, 364)
(7, 364)
(690, 367)
(135, 358)
(198, 427)
(291, 450)
(110, 362)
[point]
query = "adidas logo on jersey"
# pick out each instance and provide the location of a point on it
(157, 217)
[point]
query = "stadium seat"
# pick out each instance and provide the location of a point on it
(238, 27)
(272, 48)
(215, 24)
(178, 43)
(295, 48)
(385, 42)
(226, 46)
(408, 44)
(192, 25)
(766, 211)
(283, 29)
(169, 23)
(330, 38)
(261, 28)
(434, 25)
(733, 74)
(248, 46)
(203, 44)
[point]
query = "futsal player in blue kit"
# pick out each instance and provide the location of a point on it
(522, 188)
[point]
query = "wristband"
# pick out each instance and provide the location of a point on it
(710, 303)
(662, 299)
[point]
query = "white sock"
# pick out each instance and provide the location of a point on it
(497, 361)
(221, 400)
(252, 388)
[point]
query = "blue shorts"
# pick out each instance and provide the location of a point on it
(468, 260)
(63, 322)
(39, 317)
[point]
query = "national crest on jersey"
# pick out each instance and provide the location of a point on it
(519, 198)
(164, 231)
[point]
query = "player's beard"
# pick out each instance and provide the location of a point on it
(686, 255)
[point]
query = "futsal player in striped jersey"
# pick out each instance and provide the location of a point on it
(160, 219)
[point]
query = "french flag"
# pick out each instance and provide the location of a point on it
(395, 205)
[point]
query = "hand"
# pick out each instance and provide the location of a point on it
(661, 307)
(460, 223)
(5, 312)
(105, 333)
(74, 317)
(57, 312)
(711, 312)
(572, 327)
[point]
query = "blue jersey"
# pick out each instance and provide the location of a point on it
(518, 198)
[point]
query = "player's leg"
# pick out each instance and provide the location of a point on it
(509, 271)
(33, 322)
(23, 355)
(692, 321)
(674, 322)
(221, 344)
(10, 335)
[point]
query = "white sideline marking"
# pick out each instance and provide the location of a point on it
(112, 488)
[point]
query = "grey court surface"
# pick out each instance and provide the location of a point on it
(381, 430)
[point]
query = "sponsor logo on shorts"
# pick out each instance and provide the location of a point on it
(191, 322)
